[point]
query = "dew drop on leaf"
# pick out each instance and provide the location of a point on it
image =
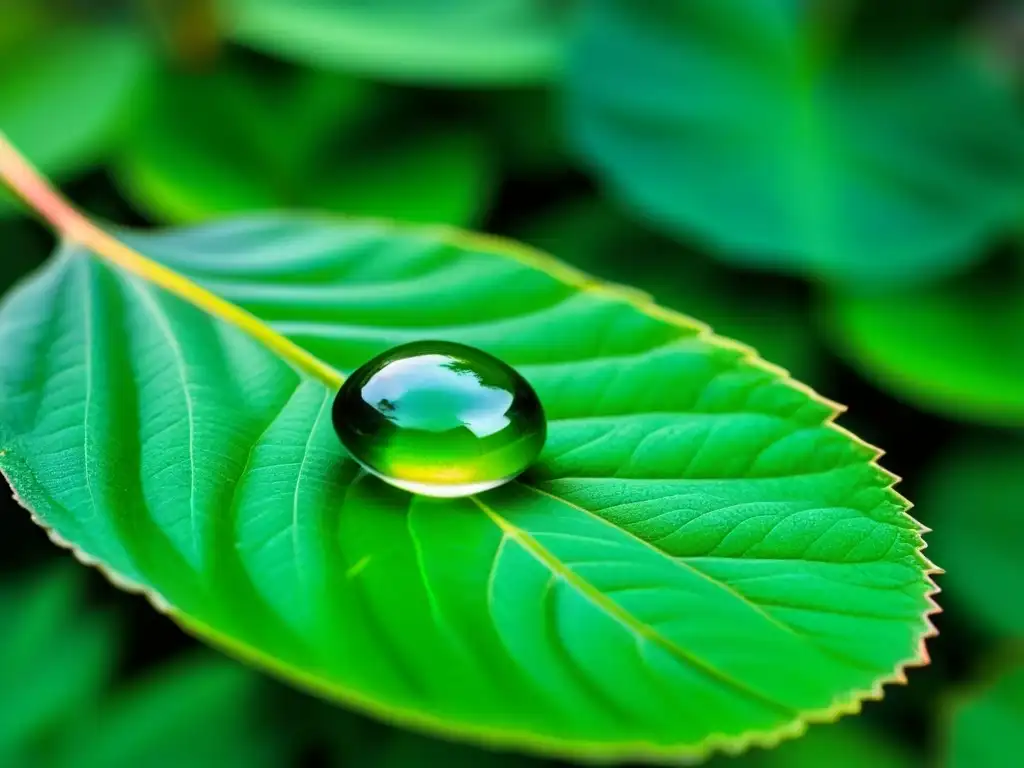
(440, 419)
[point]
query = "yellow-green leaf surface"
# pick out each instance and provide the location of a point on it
(700, 558)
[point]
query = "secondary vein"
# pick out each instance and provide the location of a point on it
(620, 614)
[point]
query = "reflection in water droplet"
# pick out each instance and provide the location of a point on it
(440, 419)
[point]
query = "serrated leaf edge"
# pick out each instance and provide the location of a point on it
(846, 704)
(75, 227)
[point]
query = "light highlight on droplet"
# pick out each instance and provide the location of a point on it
(440, 419)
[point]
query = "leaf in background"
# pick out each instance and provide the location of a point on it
(699, 559)
(201, 713)
(439, 42)
(55, 659)
(66, 97)
(597, 238)
(974, 497)
(56, 664)
(22, 20)
(848, 744)
(407, 750)
(353, 741)
(956, 349)
(526, 128)
(229, 142)
(986, 728)
(859, 165)
(441, 177)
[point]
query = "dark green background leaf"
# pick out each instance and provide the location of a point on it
(54, 660)
(57, 656)
(228, 143)
(974, 495)
(848, 744)
(200, 712)
(785, 148)
(410, 751)
(956, 349)
(986, 726)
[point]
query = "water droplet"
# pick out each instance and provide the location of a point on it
(440, 419)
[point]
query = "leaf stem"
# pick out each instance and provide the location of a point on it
(41, 196)
(22, 178)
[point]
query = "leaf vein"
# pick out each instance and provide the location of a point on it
(163, 323)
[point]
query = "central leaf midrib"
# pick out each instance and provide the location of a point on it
(110, 249)
(114, 252)
(134, 262)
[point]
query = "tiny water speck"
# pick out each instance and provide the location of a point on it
(440, 419)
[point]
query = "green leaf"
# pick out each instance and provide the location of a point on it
(230, 142)
(986, 728)
(56, 663)
(700, 559)
(462, 43)
(65, 96)
(55, 659)
(974, 495)
(736, 123)
(594, 236)
(955, 349)
(201, 712)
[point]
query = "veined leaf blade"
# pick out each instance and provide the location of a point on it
(700, 558)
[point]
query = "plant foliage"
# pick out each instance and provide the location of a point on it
(700, 559)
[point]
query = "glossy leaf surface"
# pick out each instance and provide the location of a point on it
(699, 558)
(763, 130)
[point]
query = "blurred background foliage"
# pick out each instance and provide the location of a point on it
(838, 183)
